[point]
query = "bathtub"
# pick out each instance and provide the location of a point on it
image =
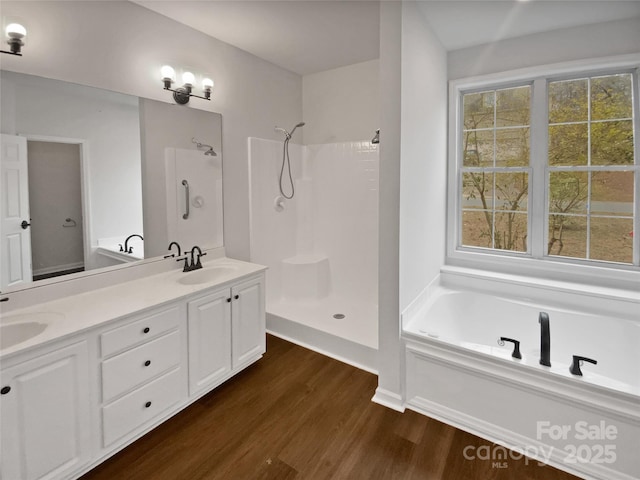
(457, 371)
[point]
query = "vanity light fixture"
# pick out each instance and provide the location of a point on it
(15, 33)
(182, 94)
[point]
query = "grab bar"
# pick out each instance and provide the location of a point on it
(186, 192)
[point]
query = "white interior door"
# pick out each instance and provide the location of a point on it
(15, 231)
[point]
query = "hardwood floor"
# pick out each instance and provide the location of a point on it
(297, 414)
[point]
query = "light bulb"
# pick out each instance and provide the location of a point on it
(168, 73)
(188, 78)
(15, 30)
(207, 84)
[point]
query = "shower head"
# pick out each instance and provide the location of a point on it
(301, 124)
(204, 145)
(289, 134)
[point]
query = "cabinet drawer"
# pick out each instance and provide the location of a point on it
(139, 330)
(136, 366)
(140, 406)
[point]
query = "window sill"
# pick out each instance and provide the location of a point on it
(621, 284)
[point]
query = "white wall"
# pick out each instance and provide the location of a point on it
(121, 46)
(413, 86)
(389, 351)
(589, 41)
(423, 179)
(341, 105)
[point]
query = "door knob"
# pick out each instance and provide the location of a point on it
(25, 224)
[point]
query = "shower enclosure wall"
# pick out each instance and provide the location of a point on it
(321, 247)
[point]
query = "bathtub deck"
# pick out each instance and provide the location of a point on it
(299, 415)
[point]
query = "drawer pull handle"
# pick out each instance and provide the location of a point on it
(147, 363)
(5, 390)
(146, 330)
(237, 297)
(147, 405)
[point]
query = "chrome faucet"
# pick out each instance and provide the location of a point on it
(128, 249)
(545, 339)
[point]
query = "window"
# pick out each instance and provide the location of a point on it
(496, 168)
(548, 168)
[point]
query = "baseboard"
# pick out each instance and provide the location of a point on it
(355, 354)
(388, 399)
(57, 268)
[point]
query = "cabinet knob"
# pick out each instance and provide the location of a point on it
(147, 363)
(146, 330)
(5, 390)
(228, 300)
(237, 297)
(147, 405)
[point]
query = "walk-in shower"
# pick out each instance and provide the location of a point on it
(285, 159)
(321, 247)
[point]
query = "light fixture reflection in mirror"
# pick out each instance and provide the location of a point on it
(114, 174)
(15, 34)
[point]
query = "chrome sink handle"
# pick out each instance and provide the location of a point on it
(186, 192)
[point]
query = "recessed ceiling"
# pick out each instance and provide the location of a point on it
(309, 36)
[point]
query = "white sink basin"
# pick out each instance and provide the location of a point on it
(206, 275)
(14, 333)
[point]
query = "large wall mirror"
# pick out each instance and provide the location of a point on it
(93, 179)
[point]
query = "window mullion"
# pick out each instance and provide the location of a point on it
(538, 219)
(636, 127)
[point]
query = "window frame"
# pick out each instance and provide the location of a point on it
(535, 262)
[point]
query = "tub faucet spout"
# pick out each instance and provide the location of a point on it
(127, 248)
(545, 340)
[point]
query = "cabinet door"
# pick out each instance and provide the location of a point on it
(45, 417)
(248, 321)
(209, 323)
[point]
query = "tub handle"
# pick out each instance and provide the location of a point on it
(577, 361)
(516, 346)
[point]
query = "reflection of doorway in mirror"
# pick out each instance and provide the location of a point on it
(55, 199)
(15, 231)
(194, 197)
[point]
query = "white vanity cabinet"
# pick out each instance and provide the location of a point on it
(121, 361)
(248, 321)
(209, 340)
(226, 332)
(45, 414)
(143, 370)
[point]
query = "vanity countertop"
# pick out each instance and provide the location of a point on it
(75, 313)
